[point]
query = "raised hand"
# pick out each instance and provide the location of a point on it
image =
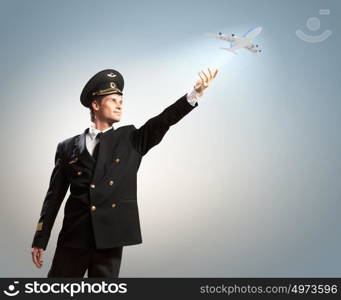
(205, 80)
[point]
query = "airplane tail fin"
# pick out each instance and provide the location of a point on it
(229, 49)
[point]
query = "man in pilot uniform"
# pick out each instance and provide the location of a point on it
(100, 167)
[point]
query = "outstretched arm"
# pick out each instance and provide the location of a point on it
(152, 132)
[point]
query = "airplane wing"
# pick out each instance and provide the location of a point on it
(224, 37)
(233, 48)
(236, 47)
(227, 38)
(253, 48)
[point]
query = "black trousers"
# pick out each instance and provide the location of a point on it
(73, 262)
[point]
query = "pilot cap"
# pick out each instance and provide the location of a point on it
(105, 82)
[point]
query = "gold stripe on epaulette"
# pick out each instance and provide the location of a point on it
(40, 226)
(73, 161)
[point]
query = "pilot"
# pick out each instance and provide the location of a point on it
(100, 167)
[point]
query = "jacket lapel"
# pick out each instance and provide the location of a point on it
(80, 154)
(108, 151)
(108, 141)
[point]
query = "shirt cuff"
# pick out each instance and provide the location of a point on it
(193, 96)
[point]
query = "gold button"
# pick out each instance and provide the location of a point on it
(79, 173)
(113, 205)
(93, 208)
(111, 182)
(92, 186)
(117, 160)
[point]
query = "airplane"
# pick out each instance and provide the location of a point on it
(237, 43)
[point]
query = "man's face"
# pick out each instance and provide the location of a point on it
(109, 109)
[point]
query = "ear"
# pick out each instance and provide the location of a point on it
(94, 105)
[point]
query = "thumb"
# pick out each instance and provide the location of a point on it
(198, 83)
(40, 254)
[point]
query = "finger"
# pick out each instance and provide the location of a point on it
(38, 264)
(34, 259)
(207, 81)
(41, 254)
(215, 73)
(205, 75)
(210, 73)
(201, 76)
(203, 82)
(199, 84)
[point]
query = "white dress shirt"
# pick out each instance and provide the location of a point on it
(90, 138)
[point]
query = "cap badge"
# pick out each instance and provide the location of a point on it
(112, 85)
(111, 74)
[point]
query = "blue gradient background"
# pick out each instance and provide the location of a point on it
(246, 185)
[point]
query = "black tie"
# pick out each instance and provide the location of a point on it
(96, 150)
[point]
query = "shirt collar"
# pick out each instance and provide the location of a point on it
(94, 131)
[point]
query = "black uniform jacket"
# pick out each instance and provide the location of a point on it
(101, 210)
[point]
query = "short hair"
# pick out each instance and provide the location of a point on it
(99, 100)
